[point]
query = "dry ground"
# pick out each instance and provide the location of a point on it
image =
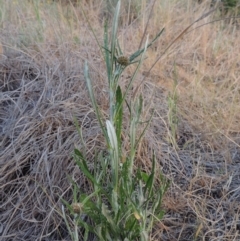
(43, 47)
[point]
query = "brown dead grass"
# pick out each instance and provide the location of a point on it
(42, 88)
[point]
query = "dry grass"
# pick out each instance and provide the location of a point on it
(42, 87)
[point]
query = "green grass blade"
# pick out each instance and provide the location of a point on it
(118, 48)
(81, 162)
(139, 107)
(107, 53)
(79, 154)
(119, 115)
(75, 191)
(130, 226)
(160, 214)
(164, 185)
(144, 176)
(114, 32)
(150, 181)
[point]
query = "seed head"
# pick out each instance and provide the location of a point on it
(77, 208)
(123, 60)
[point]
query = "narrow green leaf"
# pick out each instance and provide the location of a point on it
(118, 48)
(78, 153)
(164, 185)
(160, 215)
(125, 177)
(149, 185)
(88, 205)
(87, 228)
(119, 115)
(107, 53)
(131, 224)
(75, 191)
(144, 177)
(114, 32)
(83, 167)
(81, 162)
(139, 107)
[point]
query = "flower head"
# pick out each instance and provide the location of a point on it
(123, 60)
